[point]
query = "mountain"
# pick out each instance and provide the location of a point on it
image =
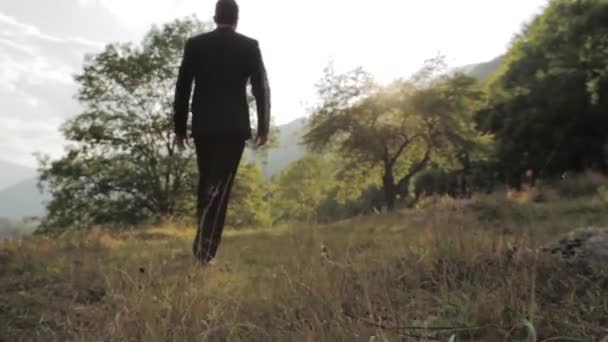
(11, 174)
(483, 71)
(22, 200)
(288, 150)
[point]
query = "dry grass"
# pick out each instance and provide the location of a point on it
(470, 266)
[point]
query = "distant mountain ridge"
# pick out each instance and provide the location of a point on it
(483, 71)
(22, 200)
(11, 174)
(290, 148)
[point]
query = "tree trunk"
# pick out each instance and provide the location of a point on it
(404, 182)
(390, 195)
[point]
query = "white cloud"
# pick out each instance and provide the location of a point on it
(20, 141)
(25, 31)
(36, 88)
(11, 44)
(140, 14)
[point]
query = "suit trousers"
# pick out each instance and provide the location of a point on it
(218, 159)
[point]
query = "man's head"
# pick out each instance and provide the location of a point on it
(226, 13)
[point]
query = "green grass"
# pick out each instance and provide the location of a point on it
(470, 265)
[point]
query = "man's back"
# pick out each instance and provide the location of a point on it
(221, 63)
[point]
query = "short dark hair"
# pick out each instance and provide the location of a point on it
(226, 12)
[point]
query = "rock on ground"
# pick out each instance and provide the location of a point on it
(589, 245)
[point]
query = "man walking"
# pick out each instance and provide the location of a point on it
(220, 64)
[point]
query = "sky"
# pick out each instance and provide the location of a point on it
(43, 44)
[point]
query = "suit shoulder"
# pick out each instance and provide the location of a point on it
(198, 38)
(248, 40)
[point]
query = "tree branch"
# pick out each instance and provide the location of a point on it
(416, 168)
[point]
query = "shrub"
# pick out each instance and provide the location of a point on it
(537, 194)
(601, 197)
(436, 182)
(585, 184)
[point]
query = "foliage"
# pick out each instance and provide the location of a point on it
(335, 207)
(476, 177)
(548, 102)
(302, 187)
(580, 185)
(602, 195)
(249, 205)
(436, 182)
(399, 128)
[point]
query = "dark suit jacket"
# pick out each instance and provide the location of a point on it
(221, 63)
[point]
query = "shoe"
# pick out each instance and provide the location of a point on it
(207, 263)
(204, 260)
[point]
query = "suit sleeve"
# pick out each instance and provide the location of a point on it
(183, 90)
(261, 90)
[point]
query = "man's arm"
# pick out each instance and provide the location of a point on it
(261, 92)
(183, 90)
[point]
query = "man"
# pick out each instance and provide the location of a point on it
(220, 63)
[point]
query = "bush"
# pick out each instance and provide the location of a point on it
(491, 208)
(538, 194)
(479, 178)
(499, 208)
(581, 185)
(601, 197)
(436, 182)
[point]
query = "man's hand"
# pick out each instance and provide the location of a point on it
(182, 141)
(261, 140)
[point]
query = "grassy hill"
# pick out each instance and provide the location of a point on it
(469, 269)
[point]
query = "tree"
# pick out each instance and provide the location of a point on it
(548, 101)
(302, 187)
(398, 129)
(122, 165)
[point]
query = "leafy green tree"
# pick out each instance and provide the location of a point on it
(548, 101)
(397, 130)
(122, 165)
(302, 187)
(249, 204)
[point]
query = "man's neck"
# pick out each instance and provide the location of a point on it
(226, 26)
